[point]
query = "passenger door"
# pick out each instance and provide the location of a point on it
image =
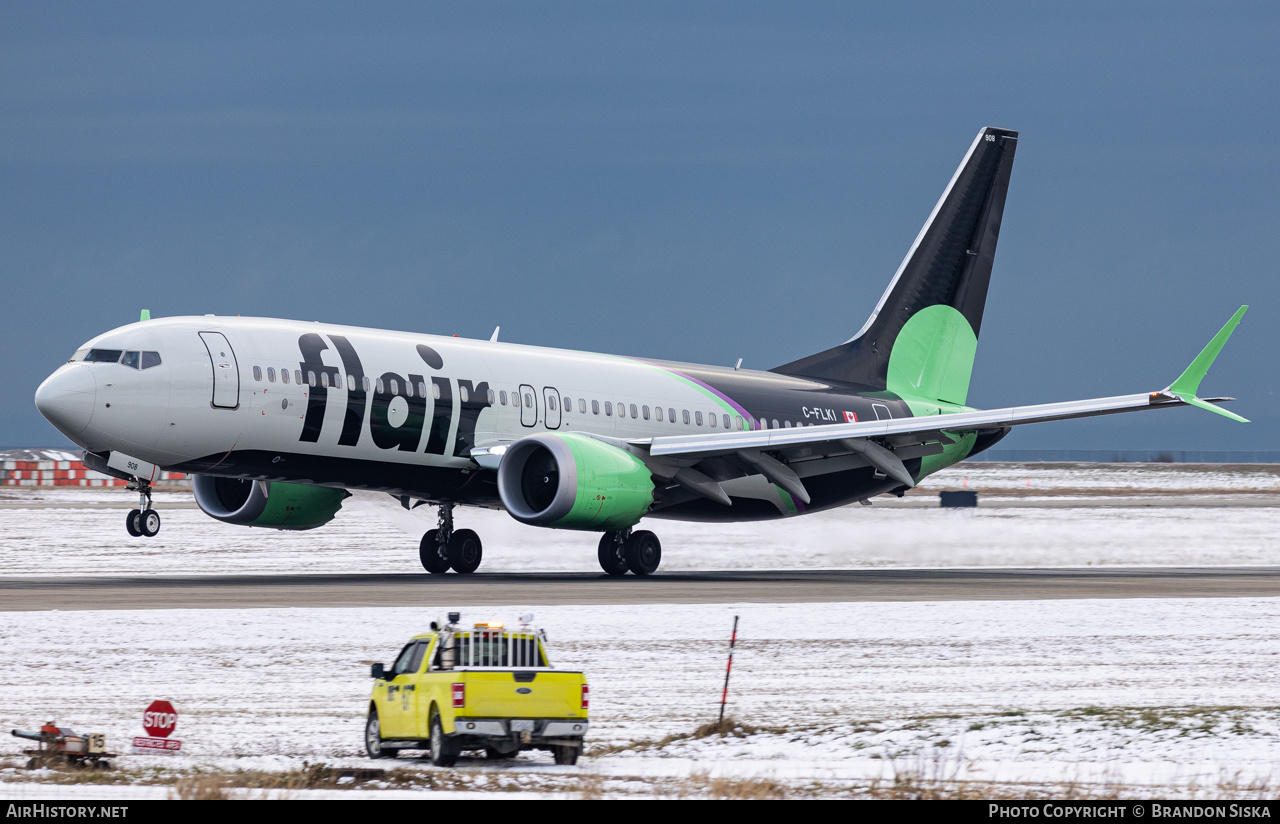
(528, 405)
(551, 403)
(226, 371)
(401, 703)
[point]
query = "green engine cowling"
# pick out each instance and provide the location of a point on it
(572, 481)
(267, 503)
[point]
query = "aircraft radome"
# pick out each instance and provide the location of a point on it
(279, 420)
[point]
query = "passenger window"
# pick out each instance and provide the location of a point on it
(528, 401)
(490, 398)
(741, 423)
(775, 424)
(595, 407)
(379, 386)
(365, 382)
(271, 374)
(311, 378)
(284, 375)
(633, 411)
(568, 403)
(103, 355)
(297, 376)
(415, 659)
(671, 414)
(786, 424)
(608, 408)
(502, 397)
(685, 416)
(697, 417)
(408, 388)
(657, 412)
(324, 380)
(726, 421)
(582, 405)
(712, 419)
(462, 393)
(645, 411)
(422, 392)
(551, 402)
(257, 373)
(435, 390)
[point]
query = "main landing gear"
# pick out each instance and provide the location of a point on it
(143, 521)
(640, 552)
(446, 548)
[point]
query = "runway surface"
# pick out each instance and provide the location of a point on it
(792, 586)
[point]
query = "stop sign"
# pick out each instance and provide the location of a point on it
(160, 719)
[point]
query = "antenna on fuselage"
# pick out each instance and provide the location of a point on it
(494, 337)
(737, 365)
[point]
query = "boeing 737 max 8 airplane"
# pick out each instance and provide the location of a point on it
(279, 420)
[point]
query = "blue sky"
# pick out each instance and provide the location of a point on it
(688, 181)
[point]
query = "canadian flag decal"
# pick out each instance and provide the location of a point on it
(850, 417)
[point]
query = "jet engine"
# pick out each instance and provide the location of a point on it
(266, 503)
(572, 481)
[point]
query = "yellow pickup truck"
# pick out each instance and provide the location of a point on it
(483, 687)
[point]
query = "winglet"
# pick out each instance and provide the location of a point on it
(146, 315)
(1188, 383)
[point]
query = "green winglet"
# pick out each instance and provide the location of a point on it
(146, 315)
(1188, 383)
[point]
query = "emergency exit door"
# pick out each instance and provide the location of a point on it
(226, 371)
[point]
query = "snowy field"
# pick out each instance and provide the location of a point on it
(1159, 696)
(82, 531)
(1070, 697)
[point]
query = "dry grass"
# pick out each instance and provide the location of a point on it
(737, 789)
(201, 788)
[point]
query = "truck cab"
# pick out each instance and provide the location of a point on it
(481, 687)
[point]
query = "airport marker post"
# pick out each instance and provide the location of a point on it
(724, 696)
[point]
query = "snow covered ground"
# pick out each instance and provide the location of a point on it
(1154, 697)
(1144, 693)
(82, 531)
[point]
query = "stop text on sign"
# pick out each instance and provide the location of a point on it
(160, 719)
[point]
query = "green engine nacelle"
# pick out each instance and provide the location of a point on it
(267, 503)
(572, 481)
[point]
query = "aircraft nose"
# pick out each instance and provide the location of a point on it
(66, 399)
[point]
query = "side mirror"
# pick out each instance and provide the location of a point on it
(378, 671)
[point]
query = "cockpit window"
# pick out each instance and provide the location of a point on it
(78, 356)
(103, 355)
(132, 359)
(150, 359)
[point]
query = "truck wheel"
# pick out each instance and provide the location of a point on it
(612, 554)
(465, 551)
(373, 738)
(444, 750)
(566, 755)
(644, 552)
(434, 557)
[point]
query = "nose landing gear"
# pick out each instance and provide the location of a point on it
(143, 521)
(444, 548)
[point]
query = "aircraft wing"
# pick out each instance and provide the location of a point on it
(885, 444)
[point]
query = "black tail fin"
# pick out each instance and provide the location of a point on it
(949, 264)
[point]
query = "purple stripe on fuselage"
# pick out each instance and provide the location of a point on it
(722, 396)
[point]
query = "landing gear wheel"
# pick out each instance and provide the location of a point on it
(149, 523)
(566, 755)
(444, 750)
(612, 554)
(373, 738)
(644, 552)
(433, 554)
(465, 551)
(133, 522)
